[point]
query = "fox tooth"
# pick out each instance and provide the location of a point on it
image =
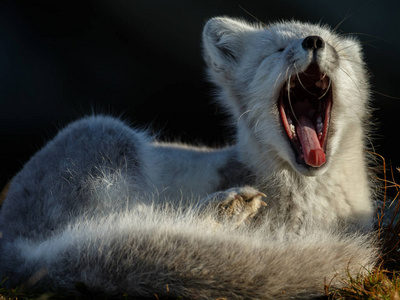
(320, 126)
(291, 85)
(293, 129)
(323, 83)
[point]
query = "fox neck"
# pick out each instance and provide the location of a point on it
(345, 182)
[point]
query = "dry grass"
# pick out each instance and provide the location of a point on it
(10, 294)
(382, 283)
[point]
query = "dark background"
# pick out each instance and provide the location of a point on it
(141, 59)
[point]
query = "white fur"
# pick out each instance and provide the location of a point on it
(254, 80)
(104, 205)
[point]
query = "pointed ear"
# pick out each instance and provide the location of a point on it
(224, 41)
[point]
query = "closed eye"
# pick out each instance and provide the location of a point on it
(267, 55)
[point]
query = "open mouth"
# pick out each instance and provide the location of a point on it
(304, 105)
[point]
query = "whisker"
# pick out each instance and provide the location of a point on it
(367, 34)
(362, 43)
(255, 126)
(329, 86)
(351, 80)
(352, 14)
(341, 22)
(351, 61)
(302, 85)
(276, 81)
(290, 101)
(251, 15)
(246, 112)
(287, 72)
(384, 95)
(357, 87)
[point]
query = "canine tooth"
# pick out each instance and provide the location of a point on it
(319, 120)
(323, 83)
(290, 85)
(320, 126)
(292, 129)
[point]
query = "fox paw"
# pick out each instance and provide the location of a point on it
(237, 205)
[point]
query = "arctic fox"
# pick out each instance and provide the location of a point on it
(104, 208)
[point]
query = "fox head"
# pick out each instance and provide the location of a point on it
(298, 93)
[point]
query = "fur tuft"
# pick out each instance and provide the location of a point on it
(150, 250)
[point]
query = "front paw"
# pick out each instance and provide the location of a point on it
(237, 205)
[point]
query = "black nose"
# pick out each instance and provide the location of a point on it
(313, 42)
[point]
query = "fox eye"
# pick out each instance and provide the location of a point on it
(280, 50)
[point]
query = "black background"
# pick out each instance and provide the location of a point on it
(141, 59)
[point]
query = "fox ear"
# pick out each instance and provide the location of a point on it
(224, 41)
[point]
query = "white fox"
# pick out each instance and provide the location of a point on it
(104, 208)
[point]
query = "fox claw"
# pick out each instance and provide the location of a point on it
(238, 204)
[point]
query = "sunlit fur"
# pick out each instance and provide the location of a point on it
(261, 60)
(104, 208)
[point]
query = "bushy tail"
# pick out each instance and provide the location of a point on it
(147, 252)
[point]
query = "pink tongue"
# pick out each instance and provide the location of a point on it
(314, 155)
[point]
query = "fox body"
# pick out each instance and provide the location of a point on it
(106, 207)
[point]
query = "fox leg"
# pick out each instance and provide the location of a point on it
(238, 205)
